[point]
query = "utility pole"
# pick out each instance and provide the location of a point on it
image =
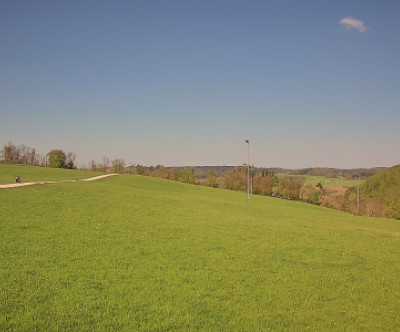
(248, 171)
(358, 195)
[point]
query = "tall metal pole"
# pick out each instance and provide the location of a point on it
(248, 171)
(358, 196)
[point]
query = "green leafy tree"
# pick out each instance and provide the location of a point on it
(379, 195)
(186, 175)
(57, 159)
(311, 194)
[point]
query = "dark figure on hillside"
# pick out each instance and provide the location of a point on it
(17, 179)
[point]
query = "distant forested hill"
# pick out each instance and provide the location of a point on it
(315, 171)
(331, 172)
(379, 195)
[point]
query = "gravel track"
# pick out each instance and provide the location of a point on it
(24, 184)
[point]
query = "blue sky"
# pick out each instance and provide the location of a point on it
(309, 83)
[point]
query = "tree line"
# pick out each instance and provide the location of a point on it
(56, 158)
(25, 155)
(378, 196)
(330, 172)
(231, 178)
(108, 166)
(22, 154)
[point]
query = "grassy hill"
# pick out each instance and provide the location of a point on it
(8, 172)
(140, 253)
(379, 194)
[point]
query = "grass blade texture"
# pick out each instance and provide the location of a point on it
(138, 253)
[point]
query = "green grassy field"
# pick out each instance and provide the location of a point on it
(138, 253)
(8, 172)
(330, 182)
(326, 182)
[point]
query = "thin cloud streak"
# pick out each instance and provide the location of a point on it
(353, 23)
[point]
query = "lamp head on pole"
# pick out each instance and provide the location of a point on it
(247, 141)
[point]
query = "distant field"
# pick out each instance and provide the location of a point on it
(326, 182)
(138, 253)
(330, 182)
(8, 172)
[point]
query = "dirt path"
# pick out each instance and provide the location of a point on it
(24, 184)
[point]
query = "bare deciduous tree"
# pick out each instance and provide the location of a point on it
(118, 166)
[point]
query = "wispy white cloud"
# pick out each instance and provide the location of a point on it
(353, 23)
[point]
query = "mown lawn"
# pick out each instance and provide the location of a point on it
(8, 172)
(138, 253)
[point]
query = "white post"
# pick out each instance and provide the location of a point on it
(248, 171)
(358, 196)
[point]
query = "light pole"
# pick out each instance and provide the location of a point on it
(248, 171)
(358, 196)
